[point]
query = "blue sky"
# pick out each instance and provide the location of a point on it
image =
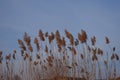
(96, 17)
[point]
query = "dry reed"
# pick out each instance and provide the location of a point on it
(57, 59)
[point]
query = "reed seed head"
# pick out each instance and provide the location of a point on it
(37, 44)
(14, 56)
(113, 56)
(35, 63)
(81, 55)
(93, 40)
(100, 52)
(38, 56)
(22, 46)
(41, 36)
(27, 39)
(107, 40)
(30, 48)
(46, 34)
(76, 42)
(73, 51)
(46, 49)
(63, 42)
(82, 37)
(94, 57)
(113, 49)
(8, 57)
(117, 57)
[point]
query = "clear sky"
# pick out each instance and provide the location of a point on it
(96, 17)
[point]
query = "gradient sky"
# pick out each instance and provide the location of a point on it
(97, 17)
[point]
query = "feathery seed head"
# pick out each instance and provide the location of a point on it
(100, 51)
(107, 40)
(82, 37)
(46, 49)
(93, 40)
(8, 57)
(37, 44)
(27, 39)
(30, 48)
(22, 46)
(41, 36)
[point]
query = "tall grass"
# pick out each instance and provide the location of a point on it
(59, 57)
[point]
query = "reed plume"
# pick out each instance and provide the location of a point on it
(37, 56)
(8, 57)
(107, 40)
(76, 42)
(63, 42)
(70, 37)
(73, 51)
(14, 54)
(100, 52)
(58, 38)
(22, 46)
(41, 35)
(27, 39)
(84, 63)
(46, 49)
(46, 34)
(30, 48)
(93, 40)
(82, 37)
(37, 44)
(51, 37)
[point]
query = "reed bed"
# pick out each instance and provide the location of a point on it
(55, 57)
